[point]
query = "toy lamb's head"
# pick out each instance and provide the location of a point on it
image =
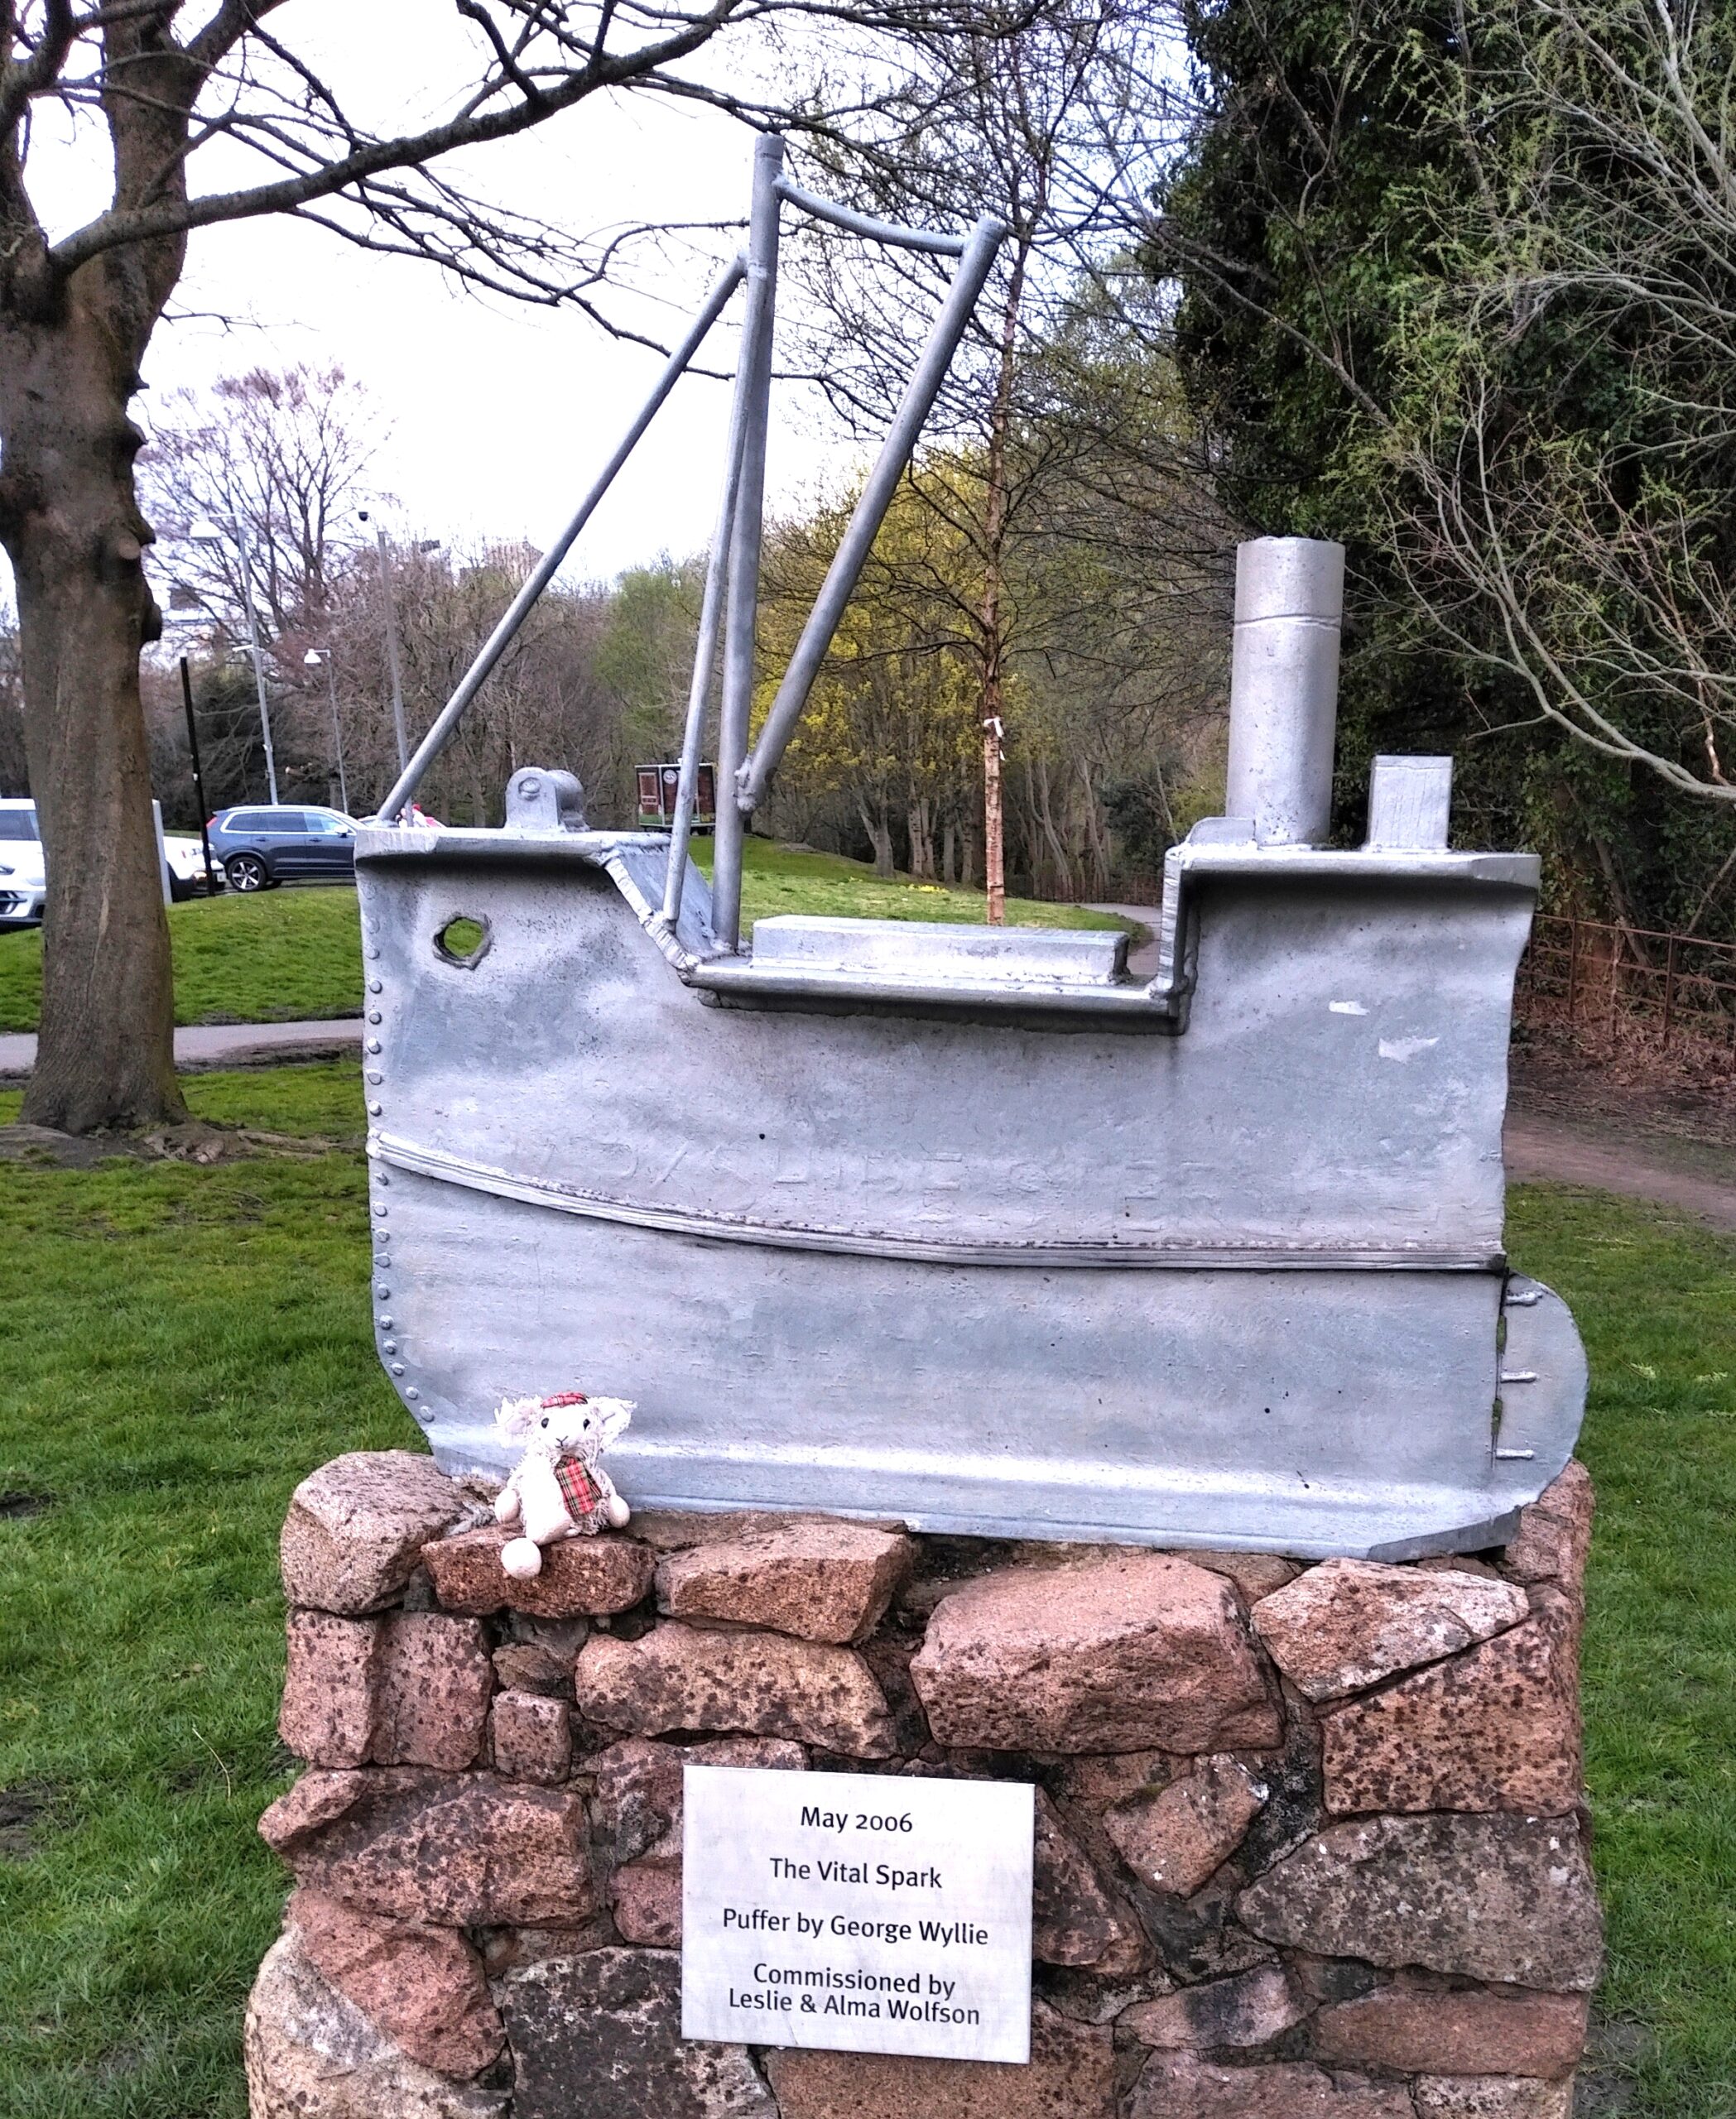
(568, 1425)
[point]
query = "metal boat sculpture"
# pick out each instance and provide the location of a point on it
(962, 1225)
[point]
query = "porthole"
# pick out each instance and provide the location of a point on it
(463, 941)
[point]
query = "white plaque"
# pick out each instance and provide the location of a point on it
(859, 1912)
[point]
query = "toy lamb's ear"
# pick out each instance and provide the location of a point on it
(515, 1416)
(614, 1416)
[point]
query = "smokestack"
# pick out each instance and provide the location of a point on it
(1283, 687)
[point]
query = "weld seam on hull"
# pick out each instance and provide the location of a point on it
(436, 1163)
(1427, 1539)
(1403, 1535)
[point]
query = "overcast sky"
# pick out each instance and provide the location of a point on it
(499, 414)
(502, 413)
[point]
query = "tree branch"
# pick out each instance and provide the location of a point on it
(209, 47)
(24, 77)
(120, 227)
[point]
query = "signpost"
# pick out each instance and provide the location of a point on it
(199, 777)
(659, 792)
(857, 1912)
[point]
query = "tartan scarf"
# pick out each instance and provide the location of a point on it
(579, 1490)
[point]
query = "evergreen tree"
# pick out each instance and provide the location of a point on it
(1390, 318)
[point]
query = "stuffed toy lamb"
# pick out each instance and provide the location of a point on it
(559, 1488)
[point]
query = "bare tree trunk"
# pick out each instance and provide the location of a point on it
(1031, 832)
(1097, 833)
(71, 341)
(879, 830)
(994, 540)
(73, 528)
(949, 851)
(967, 862)
(921, 826)
(1063, 882)
(994, 872)
(1621, 905)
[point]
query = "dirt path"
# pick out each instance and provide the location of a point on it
(1695, 1177)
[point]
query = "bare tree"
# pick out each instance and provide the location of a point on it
(154, 86)
(287, 455)
(1045, 123)
(551, 696)
(544, 699)
(594, 674)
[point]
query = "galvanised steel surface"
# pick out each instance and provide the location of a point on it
(1289, 594)
(957, 1224)
(497, 642)
(729, 612)
(1216, 1261)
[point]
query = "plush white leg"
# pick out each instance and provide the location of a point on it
(546, 1517)
(619, 1514)
(522, 1559)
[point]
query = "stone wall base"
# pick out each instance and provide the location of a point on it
(1311, 1840)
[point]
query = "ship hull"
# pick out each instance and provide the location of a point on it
(1026, 1275)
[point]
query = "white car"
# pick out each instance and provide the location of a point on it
(188, 874)
(23, 882)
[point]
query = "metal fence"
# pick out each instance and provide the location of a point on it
(1620, 982)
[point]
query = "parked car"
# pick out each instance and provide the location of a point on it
(23, 880)
(263, 847)
(188, 875)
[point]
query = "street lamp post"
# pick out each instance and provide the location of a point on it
(258, 656)
(311, 661)
(391, 647)
(206, 531)
(389, 597)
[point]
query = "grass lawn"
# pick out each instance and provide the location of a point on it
(188, 1343)
(295, 955)
(274, 957)
(789, 879)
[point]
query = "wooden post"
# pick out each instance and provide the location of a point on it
(994, 873)
(1669, 990)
